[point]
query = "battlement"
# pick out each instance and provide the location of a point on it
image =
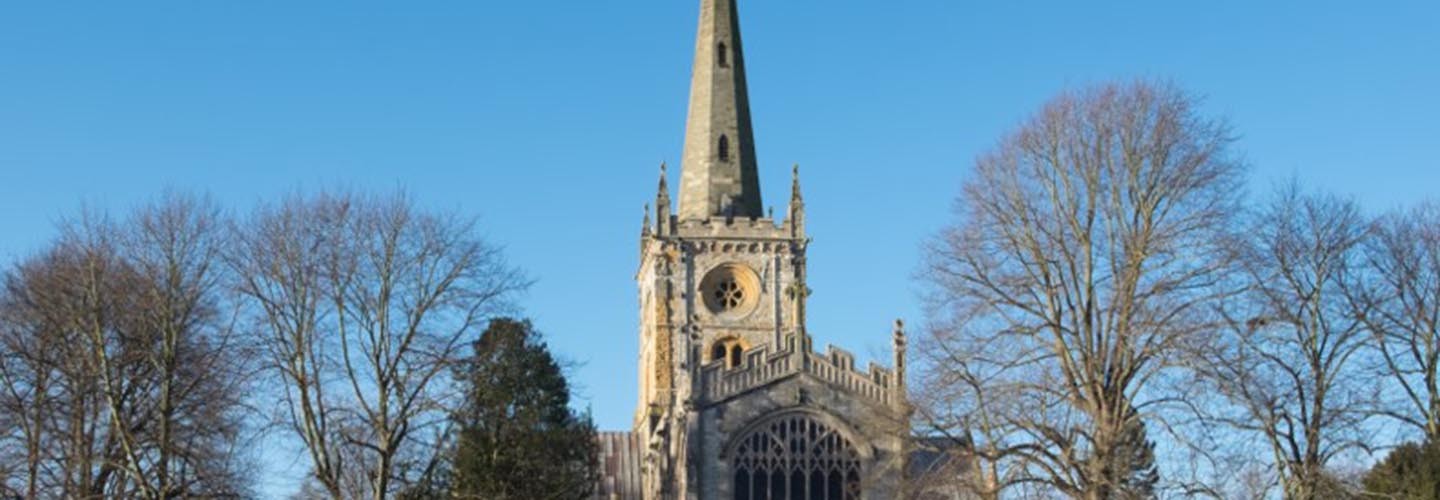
(731, 227)
(762, 366)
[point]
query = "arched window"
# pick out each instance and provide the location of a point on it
(724, 148)
(722, 56)
(728, 350)
(796, 458)
(717, 351)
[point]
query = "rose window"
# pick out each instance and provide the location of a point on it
(729, 294)
(730, 290)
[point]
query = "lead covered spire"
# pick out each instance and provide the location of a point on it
(718, 174)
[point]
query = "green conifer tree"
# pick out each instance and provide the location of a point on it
(1411, 472)
(518, 438)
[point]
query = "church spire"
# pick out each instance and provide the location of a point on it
(719, 176)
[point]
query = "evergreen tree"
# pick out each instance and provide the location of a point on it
(1412, 471)
(518, 437)
(1136, 460)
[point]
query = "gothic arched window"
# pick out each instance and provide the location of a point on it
(728, 350)
(717, 351)
(796, 458)
(724, 148)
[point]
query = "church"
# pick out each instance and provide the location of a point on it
(735, 401)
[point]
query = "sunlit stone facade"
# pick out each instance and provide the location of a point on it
(735, 401)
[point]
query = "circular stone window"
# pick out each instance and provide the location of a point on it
(730, 289)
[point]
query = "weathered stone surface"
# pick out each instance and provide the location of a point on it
(724, 352)
(719, 174)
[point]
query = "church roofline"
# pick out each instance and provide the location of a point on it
(764, 366)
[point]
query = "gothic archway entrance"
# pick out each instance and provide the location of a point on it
(796, 458)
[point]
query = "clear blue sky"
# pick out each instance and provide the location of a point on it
(549, 119)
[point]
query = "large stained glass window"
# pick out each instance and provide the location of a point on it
(796, 458)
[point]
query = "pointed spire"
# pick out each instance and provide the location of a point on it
(898, 385)
(795, 198)
(662, 204)
(645, 223)
(796, 218)
(719, 173)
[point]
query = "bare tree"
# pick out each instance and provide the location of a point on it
(363, 304)
(54, 305)
(283, 259)
(30, 379)
(1400, 305)
(122, 365)
(1286, 367)
(1087, 244)
(969, 409)
(189, 346)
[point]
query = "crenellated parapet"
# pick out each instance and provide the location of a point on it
(763, 365)
(759, 228)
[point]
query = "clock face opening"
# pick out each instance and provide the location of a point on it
(730, 290)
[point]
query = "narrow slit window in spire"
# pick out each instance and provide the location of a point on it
(722, 56)
(724, 148)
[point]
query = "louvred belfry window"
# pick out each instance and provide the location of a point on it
(796, 458)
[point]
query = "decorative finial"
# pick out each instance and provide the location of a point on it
(898, 384)
(796, 219)
(795, 183)
(662, 204)
(662, 196)
(645, 224)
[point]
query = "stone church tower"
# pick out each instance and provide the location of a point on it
(735, 403)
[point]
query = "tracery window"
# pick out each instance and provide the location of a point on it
(796, 458)
(729, 294)
(730, 290)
